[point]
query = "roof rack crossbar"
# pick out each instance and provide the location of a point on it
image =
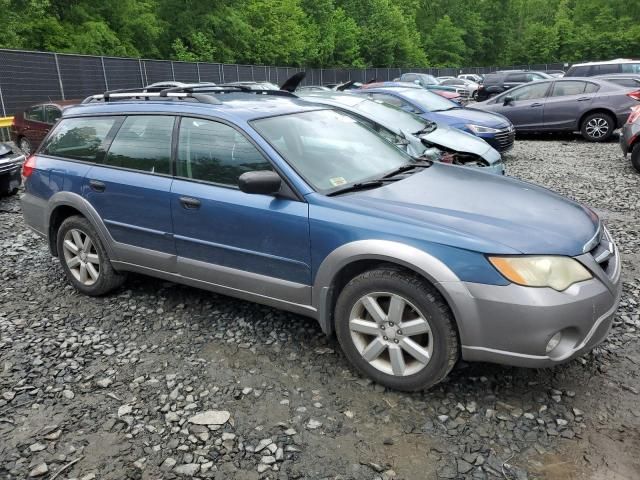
(123, 95)
(226, 88)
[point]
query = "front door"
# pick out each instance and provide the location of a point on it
(254, 243)
(131, 191)
(525, 110)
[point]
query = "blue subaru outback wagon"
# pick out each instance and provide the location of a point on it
(304, 208)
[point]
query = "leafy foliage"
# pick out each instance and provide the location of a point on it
(323, 33)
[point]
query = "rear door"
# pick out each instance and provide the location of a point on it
(567, 101)
(131, 191)
(525, 110)
(254, 243)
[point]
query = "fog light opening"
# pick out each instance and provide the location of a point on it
(554, 342)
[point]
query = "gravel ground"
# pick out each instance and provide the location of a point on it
(164, 381)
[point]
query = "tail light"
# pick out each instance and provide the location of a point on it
(29, 166)
(635, 95)
(635, 114)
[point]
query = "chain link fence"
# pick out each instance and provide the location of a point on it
(31, 77)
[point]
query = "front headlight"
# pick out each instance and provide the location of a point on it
(558, 273)
(477, 129)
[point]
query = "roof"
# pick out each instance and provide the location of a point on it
(233, 106)
(340, 98)
(607, 62)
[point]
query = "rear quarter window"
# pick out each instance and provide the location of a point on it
(80, 138)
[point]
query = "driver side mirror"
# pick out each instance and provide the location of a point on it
(508, 100)
(262, 182)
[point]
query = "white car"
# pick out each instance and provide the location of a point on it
(471, 86)
(471, 76)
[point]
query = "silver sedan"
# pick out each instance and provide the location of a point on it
(589, 105)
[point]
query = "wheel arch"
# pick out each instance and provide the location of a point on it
(65, 204)
(598, 110)
(351, 259)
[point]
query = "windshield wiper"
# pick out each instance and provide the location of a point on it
(408, 167)
(361, 186)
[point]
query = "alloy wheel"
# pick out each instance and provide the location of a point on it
(81, 257)
(391, 334)
(597, 127)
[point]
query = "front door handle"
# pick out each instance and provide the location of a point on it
(536, 105)
(584, 99)
(190, 203)
(97, 186)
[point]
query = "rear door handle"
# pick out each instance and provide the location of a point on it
(97, 186)
(584, 99)
(190, 203)
(536, 105)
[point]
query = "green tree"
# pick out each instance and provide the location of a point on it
(445, 44)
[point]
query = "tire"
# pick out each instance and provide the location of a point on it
(635, 157)
(386, 287)
(92, 258)
(474, 95)
(25, 145)
(597, 127)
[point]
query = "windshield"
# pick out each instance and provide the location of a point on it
(330, 149)
(392, 117)
(431, 102)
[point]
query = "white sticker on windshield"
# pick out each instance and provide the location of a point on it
(337, 181)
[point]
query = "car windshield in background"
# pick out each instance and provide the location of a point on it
(329, 149)
(389, 115)
(428, 101)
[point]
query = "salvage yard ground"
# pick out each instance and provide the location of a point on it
(114, 387)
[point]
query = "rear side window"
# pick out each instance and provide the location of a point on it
(582, 71)
(80, 138)
(606, 68)
(591, 88)
(143, 143)
(215, 152)
(516, 77)
(630, 67)
(34, 114)
(51, 114)
(569, 87)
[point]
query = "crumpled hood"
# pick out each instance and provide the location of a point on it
(467, 208)
(458, 140)
(464, 116)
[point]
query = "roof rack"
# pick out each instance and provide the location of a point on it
(201, 93)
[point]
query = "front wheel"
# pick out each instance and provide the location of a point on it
(635, 157)
(397, 329)
(597, 127)
(84, 259)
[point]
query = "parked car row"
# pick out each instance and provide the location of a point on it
(334, 206)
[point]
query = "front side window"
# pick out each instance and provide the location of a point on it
(330, 149)
(568, 87)
(528, 92)
(80, 138)
(34, 114)
(143, 143)
(215, 152)
(607, 68)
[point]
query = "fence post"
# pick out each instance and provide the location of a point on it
(221, 70)
(198, 70)
(4, 111)
(55, 56)
(253, 78)
(142, 76)
(237, 72)
(173, 73)
(104, 74)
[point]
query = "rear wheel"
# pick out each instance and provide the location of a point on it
(25, 145)
(597, 127)
(397, 329)
(84, 259)
(635, 157)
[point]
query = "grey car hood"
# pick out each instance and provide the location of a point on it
(454, 139)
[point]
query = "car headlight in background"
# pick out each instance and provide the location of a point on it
(480, 129)
(558, 273)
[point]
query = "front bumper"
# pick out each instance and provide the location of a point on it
(513, 324)
(10, 173)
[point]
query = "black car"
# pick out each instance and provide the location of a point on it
(10, 164)
(497, 82)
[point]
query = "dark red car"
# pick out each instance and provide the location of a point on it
(32, 125)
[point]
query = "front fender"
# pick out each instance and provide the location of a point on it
(419, 261)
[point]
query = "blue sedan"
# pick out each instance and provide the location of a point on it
(495, 129)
